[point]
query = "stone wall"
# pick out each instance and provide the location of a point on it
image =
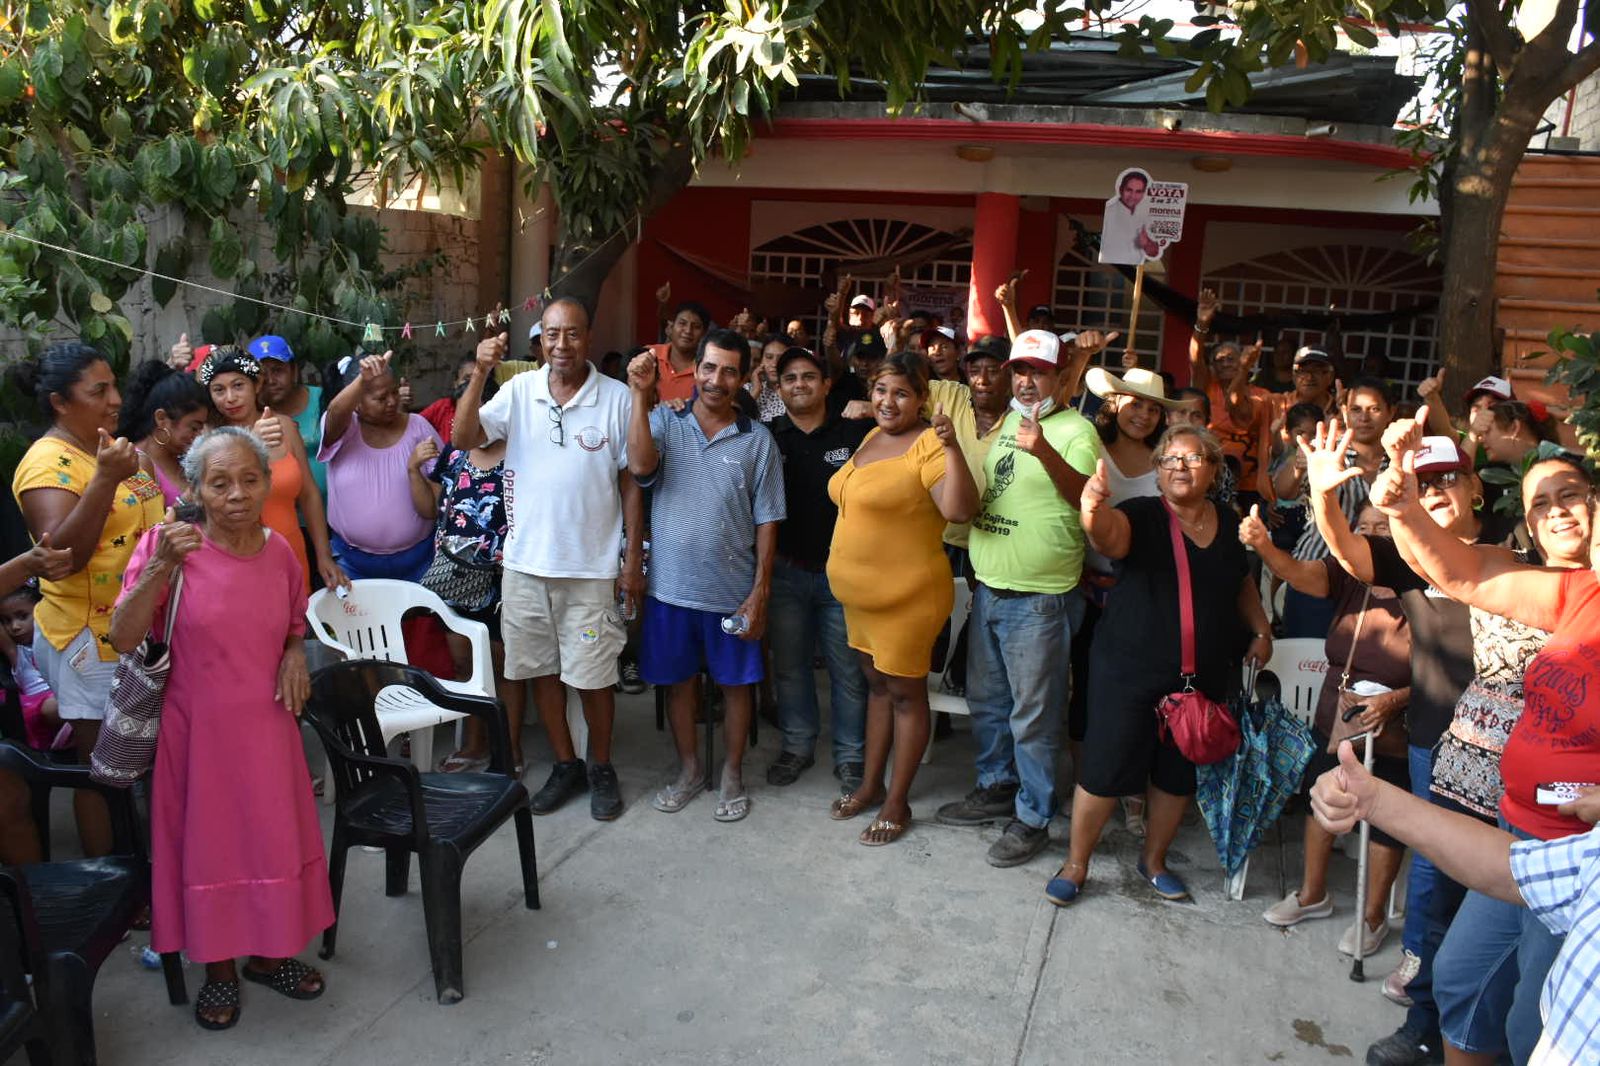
(451, 292)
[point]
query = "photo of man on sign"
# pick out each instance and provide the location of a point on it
(1123, 239)
(1142, 219)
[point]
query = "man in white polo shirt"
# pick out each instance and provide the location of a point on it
(569, 497)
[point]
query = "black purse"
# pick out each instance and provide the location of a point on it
(462, 581)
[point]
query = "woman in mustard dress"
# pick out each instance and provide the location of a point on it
(888, 569)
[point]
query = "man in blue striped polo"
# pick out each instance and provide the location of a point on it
(716, 501)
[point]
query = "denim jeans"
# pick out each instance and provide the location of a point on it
(1019, 675)
(1427, 917)
(801, 615)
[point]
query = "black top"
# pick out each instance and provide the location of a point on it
(809, 460)
(1138, 637)
(1441, 644)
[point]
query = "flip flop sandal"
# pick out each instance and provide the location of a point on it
(674, 798)
(895, 831)
(732, 809)
(458, 763)
(287, 979)
(847, 807)
(217, 995)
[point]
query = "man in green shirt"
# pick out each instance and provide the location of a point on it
(1027, 552)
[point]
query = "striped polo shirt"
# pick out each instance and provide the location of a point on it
(707, 498)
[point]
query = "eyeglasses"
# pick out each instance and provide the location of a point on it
(1441, 481)
(558, 436)
(1193, 461)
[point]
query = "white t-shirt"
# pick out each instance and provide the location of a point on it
(1119, 231)
(563, 506)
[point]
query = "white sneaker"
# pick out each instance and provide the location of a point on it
(1289, 911)
(1394, 986)
(1133, 815)
(1369, 947)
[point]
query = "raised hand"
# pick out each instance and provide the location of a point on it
(180, 354)
(831, 304)
(1344, 795)
(1251, 356)
(175, 539)
(1030, 438)
(1089, 343)
(1205, 308)
(1096, 491)
(269, 429)
(425, 450)
(1396, 486)
(1325, 452)
(491, 350)
(116, 459)
(405, 394)
(51, 564)
(856, 410)
(1430, 387)
(1253, 531)
(1404, 434)
(1478, 425)
(642, 373)
(373, 368)
(664, 293)
(944, 428)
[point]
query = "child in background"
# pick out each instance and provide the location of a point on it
(45, 730)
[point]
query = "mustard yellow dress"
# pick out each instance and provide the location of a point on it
(887, 565)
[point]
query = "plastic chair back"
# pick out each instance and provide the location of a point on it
(366, 625)
(343, 710)
(1300, 666)
(938, 700)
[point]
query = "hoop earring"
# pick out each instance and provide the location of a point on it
(1477, 501)
(156, 436)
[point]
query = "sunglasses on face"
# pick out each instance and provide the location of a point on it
(1443, 481)
(1194, 460)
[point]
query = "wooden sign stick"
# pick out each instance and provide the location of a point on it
(1133, 316)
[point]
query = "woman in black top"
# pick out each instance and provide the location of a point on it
(1136, 656)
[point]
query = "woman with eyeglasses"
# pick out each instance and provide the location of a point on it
(1529, 718)
(1441, 656)
(1136, 656)
(371, 445)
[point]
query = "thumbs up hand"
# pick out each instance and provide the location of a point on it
(944, 428)
(1096, 491)
(270, 429)
(1345, 795)
(175, 540)
(179, 356)
(1252, 530)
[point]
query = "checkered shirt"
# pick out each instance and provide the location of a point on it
(1560, 882)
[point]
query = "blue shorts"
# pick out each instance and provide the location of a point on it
(676, 643)
(408, 564)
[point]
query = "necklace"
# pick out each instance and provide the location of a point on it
(1197, 526)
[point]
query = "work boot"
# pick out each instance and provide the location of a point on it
(1019, 843)
(981, 806)
(566, 780)
(605, 794)
(787, 768)
(1406, 1048)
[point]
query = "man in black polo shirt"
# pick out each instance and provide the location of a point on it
(802, 613)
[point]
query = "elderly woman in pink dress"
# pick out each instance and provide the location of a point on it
(237, 858)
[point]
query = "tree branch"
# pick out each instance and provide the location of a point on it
(1496, 34)
(1580, 66)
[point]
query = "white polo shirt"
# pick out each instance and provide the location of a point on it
(563, 506)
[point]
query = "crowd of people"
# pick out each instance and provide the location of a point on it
(737, 505)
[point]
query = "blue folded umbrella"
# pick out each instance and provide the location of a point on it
(1245, 793)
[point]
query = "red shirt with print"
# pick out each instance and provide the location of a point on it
(1558, 736)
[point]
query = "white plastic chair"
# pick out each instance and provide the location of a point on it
(939, 700)
(1300, 665)
(366, 625)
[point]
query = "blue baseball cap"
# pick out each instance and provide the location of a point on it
(272, 347)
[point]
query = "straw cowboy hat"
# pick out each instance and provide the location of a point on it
(1137, 381)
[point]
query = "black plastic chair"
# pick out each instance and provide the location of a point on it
(386, 803)
(73, 915)
(21, 1027)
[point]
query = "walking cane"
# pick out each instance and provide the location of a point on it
(1358, 970)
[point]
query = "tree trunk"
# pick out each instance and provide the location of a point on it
(579, 270)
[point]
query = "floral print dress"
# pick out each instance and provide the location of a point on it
(472, 509)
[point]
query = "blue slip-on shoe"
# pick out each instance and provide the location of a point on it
(1167, 884)
(1061, 890)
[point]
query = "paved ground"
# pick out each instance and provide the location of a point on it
(673, 939)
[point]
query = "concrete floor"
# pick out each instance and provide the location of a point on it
(675, 939)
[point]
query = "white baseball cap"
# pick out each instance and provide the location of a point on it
(1497, 387)
(1035, 347)
(864, 301)
(536, 331)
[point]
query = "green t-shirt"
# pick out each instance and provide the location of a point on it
(1026, 537)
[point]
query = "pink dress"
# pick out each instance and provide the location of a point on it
(237, 861)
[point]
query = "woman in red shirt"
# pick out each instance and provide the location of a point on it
(1495, 956)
